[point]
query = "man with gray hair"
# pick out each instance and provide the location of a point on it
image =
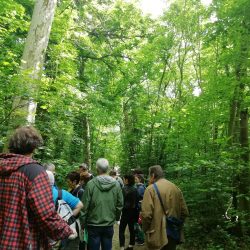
(163, 212)
(103, 202)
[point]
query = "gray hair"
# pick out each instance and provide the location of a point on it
(156, 171)
(51, 177)
(102, 165)
(50, 166)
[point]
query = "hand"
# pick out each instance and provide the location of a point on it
(73, 235)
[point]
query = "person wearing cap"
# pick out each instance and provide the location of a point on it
(103, 202)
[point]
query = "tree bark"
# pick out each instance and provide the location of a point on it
(24, 105)
(87, 141)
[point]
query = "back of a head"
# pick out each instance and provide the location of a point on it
(130, 178)
(83, 167)
(50, 166)
(51, 177)
(73, 176)
(24, 140)
(112, 173)
(156, 171)
(102, 165)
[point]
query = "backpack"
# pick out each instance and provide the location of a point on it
(65, 212)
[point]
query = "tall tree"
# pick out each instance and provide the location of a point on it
(25, 103)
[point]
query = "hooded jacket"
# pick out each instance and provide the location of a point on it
(27, 212)
(103, 202)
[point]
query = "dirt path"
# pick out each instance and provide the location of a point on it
(116, 240)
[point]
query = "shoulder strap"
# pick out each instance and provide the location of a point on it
(80, 191)
(159, 196)
(59, 197)
(59, 194)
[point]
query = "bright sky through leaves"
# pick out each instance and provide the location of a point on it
(156, 7)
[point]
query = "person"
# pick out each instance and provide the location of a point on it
(153, 215)
(103, 202)
(85, 178)
(129, 211)
(84, 174)
(73, 179)
(27, 213)
(51, 167)
(74, 203)
(139, 235)
(76, 189)
(113, 174)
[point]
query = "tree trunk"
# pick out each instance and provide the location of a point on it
(87, 140)
(24, 105)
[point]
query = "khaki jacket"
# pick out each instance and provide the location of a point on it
(153, 217)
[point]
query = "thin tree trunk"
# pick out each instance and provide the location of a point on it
(87, 139)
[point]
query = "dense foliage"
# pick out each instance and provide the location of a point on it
(139, 91)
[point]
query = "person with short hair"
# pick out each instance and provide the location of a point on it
(73, 179)
(27, 213)
(103, 203)
(154, 213)
(129, 211)
(85, 175)
(113, 174)
(139, 235)
(74, 203)
(50, 166)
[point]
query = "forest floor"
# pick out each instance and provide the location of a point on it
(116, 240)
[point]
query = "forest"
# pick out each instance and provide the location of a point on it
(99, 78)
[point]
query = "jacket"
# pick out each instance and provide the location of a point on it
(27, 212)
(102, 201)
(153, 217)
(130, 197)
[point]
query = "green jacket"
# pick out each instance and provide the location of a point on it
(102, 202)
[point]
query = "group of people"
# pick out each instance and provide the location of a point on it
(29, 195)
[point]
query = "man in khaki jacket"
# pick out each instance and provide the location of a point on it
(153, 217)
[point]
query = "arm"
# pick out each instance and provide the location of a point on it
(80, 193)
(41, 204)
(147, 209)
(77, 209)
(119, 203)
(74, 203)
(86, 201)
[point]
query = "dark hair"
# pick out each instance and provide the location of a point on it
(130, 178)
(157, 171)
(140, 177)
(112, 173)
(73, 176)
(25, 140)
(137, 171)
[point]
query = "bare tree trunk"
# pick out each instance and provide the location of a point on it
(24, 105)
(87, 140)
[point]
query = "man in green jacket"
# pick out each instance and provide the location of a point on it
(103, 202)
